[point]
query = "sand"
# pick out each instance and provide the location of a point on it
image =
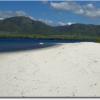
(68, 70)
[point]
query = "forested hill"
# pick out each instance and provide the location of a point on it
(25, 27)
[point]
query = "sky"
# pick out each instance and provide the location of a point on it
(53, 12)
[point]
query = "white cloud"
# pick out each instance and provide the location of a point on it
(1, 18)
(63, 23)
(46, 21)
(90, 5)
(44, 1)
(69, 23)
(52, 23)
(7, 14)
(88, 10)
(32, 18)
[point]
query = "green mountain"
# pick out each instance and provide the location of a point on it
(24, 27)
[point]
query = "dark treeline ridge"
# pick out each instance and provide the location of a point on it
(24, 27)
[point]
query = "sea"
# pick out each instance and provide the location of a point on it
(9, 45)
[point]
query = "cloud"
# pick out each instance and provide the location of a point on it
(88, 10)
(7, 14)
(69, 23)
(64, 23)
(44, 1)
(61, 23)
(46, 21)
(52, 23)
(1, 18)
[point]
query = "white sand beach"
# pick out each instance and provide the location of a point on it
(68, 70)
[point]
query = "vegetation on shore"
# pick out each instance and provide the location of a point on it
(24, 27)
(52, 37)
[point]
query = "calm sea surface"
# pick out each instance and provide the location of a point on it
(26, 44)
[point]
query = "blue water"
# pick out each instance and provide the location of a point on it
(7, 45)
